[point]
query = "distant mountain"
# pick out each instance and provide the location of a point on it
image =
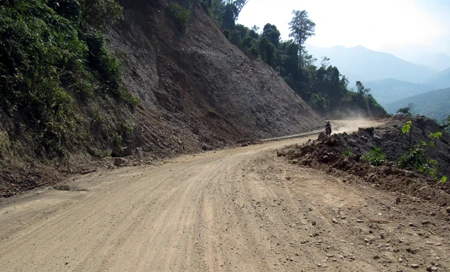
(440, 80)
(434, 104)
(389, 90)
(419, 54)
(439, 61)
(360, 63)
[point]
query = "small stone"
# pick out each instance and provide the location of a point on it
(447, 209)
(415, 265)
(360, 221)
(334, 220)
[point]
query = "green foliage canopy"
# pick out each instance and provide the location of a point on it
(50, 55)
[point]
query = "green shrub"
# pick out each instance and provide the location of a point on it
(374, 157)
(180, 15)
(101, 13)
(417, 156)
(39, 51)
(102, 61)
(70, 9)
(347, 153)
(125, 96)
(46, 63)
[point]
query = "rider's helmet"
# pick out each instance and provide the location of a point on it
(328, 122)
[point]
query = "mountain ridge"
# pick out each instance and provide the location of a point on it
(353, 63)
(388, 90)
(433, 104)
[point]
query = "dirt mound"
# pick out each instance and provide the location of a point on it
(341, 155)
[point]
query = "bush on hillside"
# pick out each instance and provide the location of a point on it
(180, 15)
(46, 64)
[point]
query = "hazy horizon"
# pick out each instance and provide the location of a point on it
(407, 28)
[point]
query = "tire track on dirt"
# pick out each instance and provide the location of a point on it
(234, 210)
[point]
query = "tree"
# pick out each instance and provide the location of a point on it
(272, 33)
(364, 93)
(361, 89)
(267, 51)
(405, 111)
(301, 29)
(289, 60)
(239, 4)
(325, 62)
(228, 17)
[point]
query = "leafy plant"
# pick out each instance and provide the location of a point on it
(417, 156)
(180, 15)
(374, 157)
(52, 56)
(417, 159)
(125, 96)
(101, 13)
(347, 153)
(407, 129)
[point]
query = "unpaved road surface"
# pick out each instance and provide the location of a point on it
(233, 210)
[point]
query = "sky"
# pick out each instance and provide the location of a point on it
(375, 24)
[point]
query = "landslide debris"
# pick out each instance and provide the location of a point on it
(191, 90)
(341, 154)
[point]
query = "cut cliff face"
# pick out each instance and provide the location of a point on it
(196, 92)
(201, 84)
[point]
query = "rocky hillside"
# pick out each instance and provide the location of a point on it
(195, 91)
(199, 82)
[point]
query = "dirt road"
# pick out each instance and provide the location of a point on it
(233, 210)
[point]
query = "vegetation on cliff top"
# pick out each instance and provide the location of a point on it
(323, 88)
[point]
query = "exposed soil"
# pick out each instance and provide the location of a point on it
(203, 88)
(196, 92)
(329, 155)
(243, 209)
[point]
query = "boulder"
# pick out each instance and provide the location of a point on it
(120, 162)
(121, 151)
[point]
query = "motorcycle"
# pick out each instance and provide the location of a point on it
(328, 131)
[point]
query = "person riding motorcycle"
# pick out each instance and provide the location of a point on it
(328, 128)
